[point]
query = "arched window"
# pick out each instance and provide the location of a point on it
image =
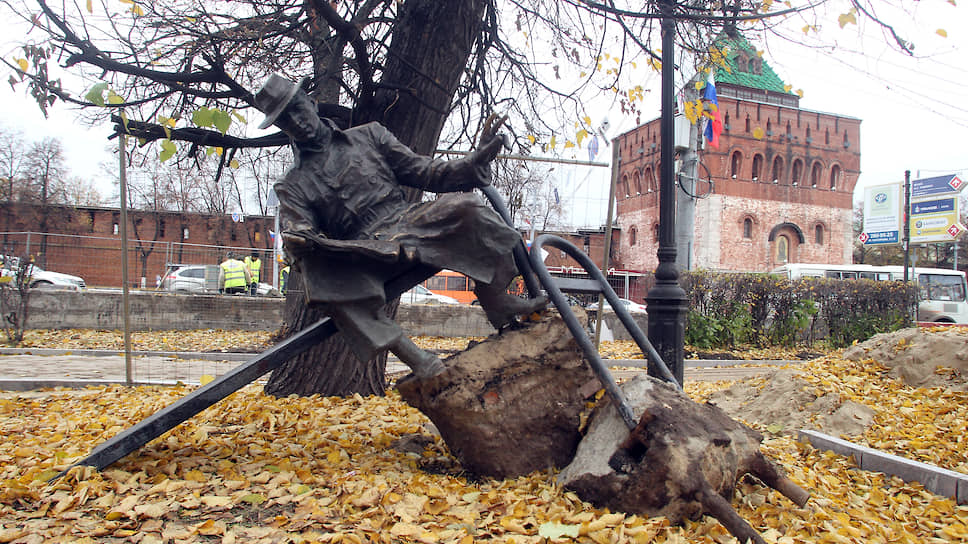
(796, 172)
(809, 139)
(726, 122)
(649, 180)
(818, 234)
(826, 137)
(777, 173)
(741, 63)
(757, 166)
(638, 183)
(655, 233)
(624, 189)
(747, 228)
(747, 123)
(816, 173)
(735, 163)
(834, 177)
(632, 234)
(769, 128)
(782, 249)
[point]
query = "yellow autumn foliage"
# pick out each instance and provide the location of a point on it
(255, 468)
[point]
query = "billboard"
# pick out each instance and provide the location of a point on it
(882, 215)
(935, 209)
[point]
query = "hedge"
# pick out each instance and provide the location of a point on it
(726, 309)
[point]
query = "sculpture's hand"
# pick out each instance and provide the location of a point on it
(491, 141)
(299, 240)
(489, 132)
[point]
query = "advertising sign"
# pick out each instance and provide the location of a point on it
(932, 220)
(935, 209)
(882, 215)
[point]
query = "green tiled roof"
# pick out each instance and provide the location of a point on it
(736, 46)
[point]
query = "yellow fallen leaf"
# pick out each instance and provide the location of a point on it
(214, 501)
(210, 528)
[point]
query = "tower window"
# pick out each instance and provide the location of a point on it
(735, 163)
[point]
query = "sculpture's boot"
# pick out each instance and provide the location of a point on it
(423, 363)
(502, 308)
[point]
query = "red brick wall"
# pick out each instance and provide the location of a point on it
(83, 241)
(814, 140)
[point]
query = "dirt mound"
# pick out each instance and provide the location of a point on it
(915, 355)
(785, 402)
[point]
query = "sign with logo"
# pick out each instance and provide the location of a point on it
(882, 215)
(935, 209)
(932, 220)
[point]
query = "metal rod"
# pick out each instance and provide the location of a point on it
(907, 223)
(578, 330)
(613, 182)
(191, 404)
(519, 251)
(529, 158)
(125, 301)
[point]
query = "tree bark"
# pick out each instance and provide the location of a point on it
(432, 41)
(330, 368)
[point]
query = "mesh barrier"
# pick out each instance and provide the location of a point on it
(97, 260)
(174, 288)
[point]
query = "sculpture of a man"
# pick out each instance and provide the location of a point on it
(349, 227)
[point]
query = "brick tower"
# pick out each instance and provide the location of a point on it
(783, 178)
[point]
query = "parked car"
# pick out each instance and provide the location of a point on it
(632, 307)
(418, 294)
(199, 279)
(43, 279)
(189, 279)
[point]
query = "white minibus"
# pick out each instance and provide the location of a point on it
(941, 292)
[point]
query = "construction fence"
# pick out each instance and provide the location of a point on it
(98, 260)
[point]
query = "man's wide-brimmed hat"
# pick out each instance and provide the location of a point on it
(274, 96)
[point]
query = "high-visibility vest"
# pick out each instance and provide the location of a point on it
(284, 278)
(234, 272)
(255, 265)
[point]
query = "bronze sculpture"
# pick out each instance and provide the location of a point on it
(349, 227)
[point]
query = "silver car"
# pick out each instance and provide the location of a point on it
(191, 279)
(200, 279)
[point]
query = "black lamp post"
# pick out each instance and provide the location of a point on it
(666, 300)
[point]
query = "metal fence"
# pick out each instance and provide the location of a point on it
(98, 259)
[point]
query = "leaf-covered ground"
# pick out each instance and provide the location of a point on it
(259, 469)
(209, 340)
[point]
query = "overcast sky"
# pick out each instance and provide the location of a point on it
(913, 109)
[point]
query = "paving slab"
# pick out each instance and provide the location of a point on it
(25, 369)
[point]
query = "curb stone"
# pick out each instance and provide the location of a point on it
(937, 480)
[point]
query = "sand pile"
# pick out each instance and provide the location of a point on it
(920, 357)
(783, 402)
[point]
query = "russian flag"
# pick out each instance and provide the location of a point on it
(714, 123)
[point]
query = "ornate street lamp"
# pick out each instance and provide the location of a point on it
(666, 300)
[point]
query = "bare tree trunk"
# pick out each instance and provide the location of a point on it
(330, 368)
(431, 44)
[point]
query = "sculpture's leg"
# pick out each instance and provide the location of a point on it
(423, 363)
(502, 308)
